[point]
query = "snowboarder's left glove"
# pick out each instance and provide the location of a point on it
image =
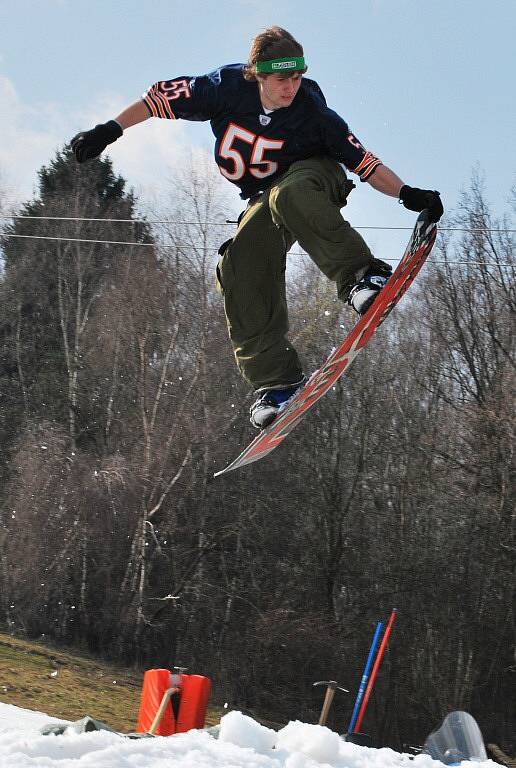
(89, 144)
(418, 199)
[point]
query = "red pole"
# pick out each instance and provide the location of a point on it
(375, 671)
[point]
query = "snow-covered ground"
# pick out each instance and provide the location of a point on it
(242, 743)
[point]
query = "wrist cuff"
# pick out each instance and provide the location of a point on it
(114, 130)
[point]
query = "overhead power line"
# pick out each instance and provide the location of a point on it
(214, 249)
(229, 223)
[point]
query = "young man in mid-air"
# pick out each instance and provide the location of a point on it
(277, 140)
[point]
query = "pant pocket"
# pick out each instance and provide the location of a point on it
(224, 270)
(344, 192)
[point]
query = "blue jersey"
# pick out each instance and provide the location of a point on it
(252, 148)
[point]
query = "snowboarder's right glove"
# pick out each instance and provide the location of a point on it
(418, 199)
(89, 144)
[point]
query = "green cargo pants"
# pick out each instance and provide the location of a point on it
(304, 205)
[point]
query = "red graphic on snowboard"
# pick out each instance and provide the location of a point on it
(418, 248)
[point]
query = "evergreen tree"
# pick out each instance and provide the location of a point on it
(50, 288)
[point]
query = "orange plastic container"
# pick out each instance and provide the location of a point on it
(155, 683)
(195, 692)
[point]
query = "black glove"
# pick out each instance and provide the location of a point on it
(418, 199)
(89, 144)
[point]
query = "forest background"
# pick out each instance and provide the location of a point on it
(119, 399)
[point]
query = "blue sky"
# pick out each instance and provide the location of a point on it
(428, 86)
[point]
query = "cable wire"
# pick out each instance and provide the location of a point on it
(228, 223)
(214, 249)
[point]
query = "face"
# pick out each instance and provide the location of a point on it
(278, 91)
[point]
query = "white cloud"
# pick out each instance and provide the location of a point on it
(148, 153)
(30, 134)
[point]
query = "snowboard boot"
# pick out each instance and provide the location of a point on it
(363, 293)
(270, 402)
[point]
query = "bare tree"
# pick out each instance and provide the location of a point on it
(396, 491)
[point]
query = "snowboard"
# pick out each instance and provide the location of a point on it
(416, 252)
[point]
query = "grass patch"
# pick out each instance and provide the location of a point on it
(70, 686)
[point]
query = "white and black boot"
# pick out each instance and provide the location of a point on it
(270, 402)
(363, 293)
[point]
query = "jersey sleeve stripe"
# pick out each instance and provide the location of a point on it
(152, 104)
(158, 103)
(166, 106)
(366, 166)
(367, 172)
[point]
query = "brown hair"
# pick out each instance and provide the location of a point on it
(273, 43)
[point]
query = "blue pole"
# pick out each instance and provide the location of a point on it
(365, 676)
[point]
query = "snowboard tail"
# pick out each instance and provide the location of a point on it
(416, 253)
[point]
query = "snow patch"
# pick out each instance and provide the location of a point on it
(242, 743)
(243, 731)
(314, 741)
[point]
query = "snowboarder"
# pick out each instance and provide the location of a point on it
(286, 150)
